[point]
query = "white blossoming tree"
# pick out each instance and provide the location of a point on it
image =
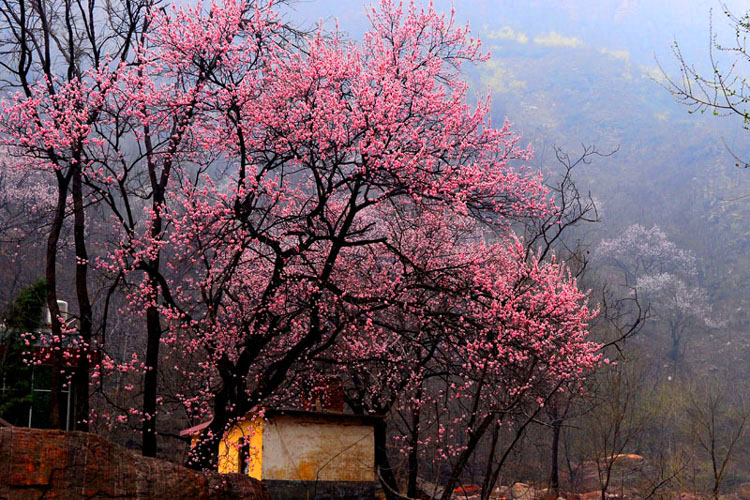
(663, 275)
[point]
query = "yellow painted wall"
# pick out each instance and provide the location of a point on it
(229, 448)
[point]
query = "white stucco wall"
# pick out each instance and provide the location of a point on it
(310, 449)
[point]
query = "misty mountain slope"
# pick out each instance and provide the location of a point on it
(672, 168)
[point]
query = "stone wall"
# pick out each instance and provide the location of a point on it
(73, 465)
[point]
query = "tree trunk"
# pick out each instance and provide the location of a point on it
(554, 480)
(81, 375)
(382, 464)
(463, 458)
(150, 379)
(675, 330)
(674, 354)
(488, 483)
(411, 488)
(205, 454)
(153, 326)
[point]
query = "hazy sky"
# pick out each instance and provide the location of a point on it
(643, 28)
(571, 38)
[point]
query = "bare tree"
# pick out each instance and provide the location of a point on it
(718, 423)
(617, 421)
(724, 90)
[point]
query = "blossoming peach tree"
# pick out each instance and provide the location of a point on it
(363, 219)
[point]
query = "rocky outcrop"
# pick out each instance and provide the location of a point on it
(628, 470)
(72, 465)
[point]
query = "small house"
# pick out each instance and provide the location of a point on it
(302, 454)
